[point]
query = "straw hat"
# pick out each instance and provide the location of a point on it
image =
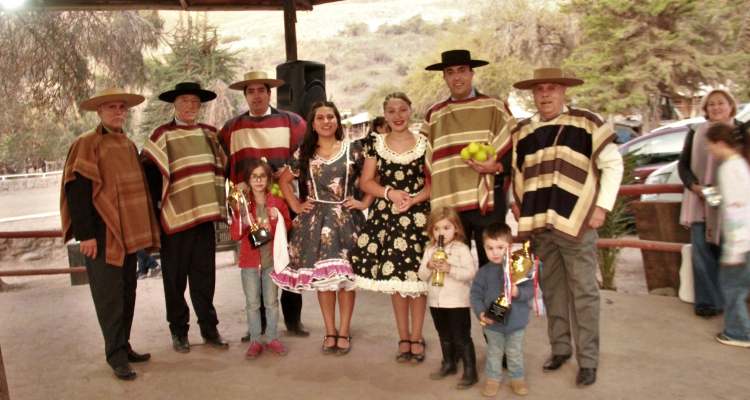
(548, 75)
(109, 95)
(256, 77)
(187, 88)
(455, 57)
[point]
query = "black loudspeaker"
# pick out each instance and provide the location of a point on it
(304, 84)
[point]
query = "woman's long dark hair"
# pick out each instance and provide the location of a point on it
(310, 141)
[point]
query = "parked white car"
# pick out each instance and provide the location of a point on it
(666, 174)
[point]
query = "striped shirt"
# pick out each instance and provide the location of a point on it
(192, 168)
(451, 125)
(558, 171)
(274, 136)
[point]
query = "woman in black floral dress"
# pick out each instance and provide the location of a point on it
(325, 229)
(389, 247)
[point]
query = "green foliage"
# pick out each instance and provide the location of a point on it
(618, 223)
(195, 55)
(53, 60)
(634, 51)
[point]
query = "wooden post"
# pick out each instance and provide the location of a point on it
(4, 394)
(290, 30)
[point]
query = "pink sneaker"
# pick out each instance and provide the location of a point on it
(254, 350)
(276, 347)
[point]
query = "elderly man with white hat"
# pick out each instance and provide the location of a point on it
(566, 174)
(185, 168)
(104, 204)
(264, 132)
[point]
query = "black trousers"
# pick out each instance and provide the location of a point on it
(190, 256)
(452, 324)
(474, 222)
(113, 292)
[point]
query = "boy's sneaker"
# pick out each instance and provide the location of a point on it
(519, 387)
(275, 346)
(724, 339)
(254, 350)
(491, 387)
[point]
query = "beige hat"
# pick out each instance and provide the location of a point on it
(548, 75)
(256, 77)
(109, 95)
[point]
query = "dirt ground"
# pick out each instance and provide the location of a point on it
(651, 347)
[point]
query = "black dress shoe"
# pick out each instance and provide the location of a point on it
(180, 344)
(138, 358)
(245, 338)
(297, 330)
(124, 372)
(555, 362)
(215, 340)
(586, 376)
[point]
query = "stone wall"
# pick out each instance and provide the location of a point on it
(17, 184)
(32, 249)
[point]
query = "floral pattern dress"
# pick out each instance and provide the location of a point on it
(390, 246)
(321, 239)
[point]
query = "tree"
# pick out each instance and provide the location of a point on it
(513, 35)
(53, 60)
(194, 55)
(632, 52)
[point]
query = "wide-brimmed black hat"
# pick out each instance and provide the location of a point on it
(187, 88)
(456, 57)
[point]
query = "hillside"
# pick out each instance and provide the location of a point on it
(364, 43)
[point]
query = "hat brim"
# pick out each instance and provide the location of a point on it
(130, 100)
(204, 95)
(529, 83)
(441, 66)
(270, 82)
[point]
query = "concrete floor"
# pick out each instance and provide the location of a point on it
(651, 347)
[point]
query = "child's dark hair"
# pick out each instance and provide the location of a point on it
(497, 230)
(250, 165)
(733, 136)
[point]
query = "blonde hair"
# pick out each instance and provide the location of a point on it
(730, 99)
(397, 95)
(440, 214)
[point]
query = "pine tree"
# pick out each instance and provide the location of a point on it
(195, 55)
(633, 52)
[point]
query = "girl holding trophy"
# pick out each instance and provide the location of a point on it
(448, 267)
(260, 221)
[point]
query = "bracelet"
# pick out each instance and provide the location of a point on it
(385, 192)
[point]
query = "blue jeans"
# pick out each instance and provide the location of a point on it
(253, 279)
(735, 284)
(705, 269)
(499, 343)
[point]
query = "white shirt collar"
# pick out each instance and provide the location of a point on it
(471, 95)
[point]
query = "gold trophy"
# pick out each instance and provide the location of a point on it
(438, 277)
(258, 235)
(520, 265)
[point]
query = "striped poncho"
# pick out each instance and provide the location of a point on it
(274, 137)
(119, 193)
(192, 167)
(555, 177)
(451, 125)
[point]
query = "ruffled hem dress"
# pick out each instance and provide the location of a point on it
(390, 246)
(321, 240)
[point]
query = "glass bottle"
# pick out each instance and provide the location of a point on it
(438, 277)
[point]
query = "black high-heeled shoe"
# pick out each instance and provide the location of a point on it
(418, 357)
(404, 356)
